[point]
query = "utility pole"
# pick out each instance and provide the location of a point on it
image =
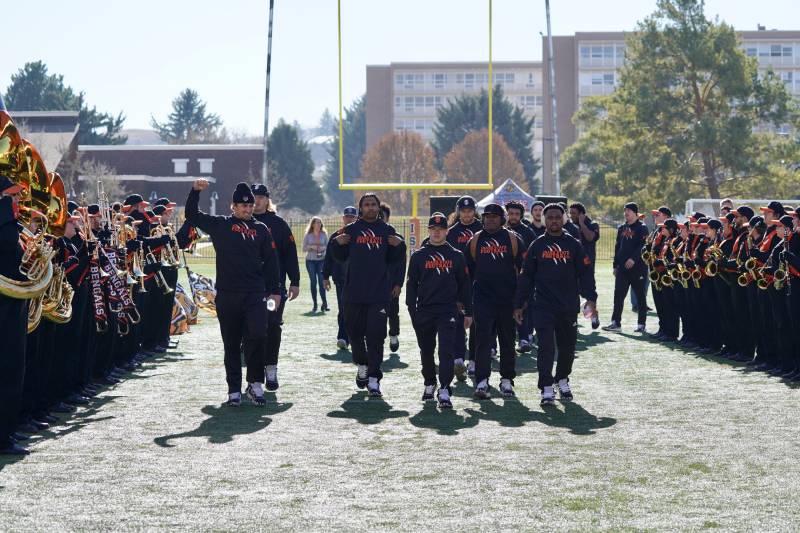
(552, 88)
(264, 179)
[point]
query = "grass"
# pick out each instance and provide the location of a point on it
(657, 439)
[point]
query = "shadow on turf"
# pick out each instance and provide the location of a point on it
(445, 421)
(392, 362)
(223, 423)
(512, 413)
(367, 410)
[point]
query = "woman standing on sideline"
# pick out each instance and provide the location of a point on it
(314, 244)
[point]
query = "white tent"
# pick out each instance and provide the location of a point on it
(507, 192)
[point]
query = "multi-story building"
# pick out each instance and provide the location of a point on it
(406, 96)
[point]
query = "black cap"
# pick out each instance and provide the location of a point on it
(774, 206)
(159, 209)
(513, 204)
(786, 221)
(134, 199)
(259, 189)
(165, 202)
(664, 210)
(554, 205)
(730, 217)
(150, 216)
(242, 194)
(632, 206)
(671, 224)
(437, 220)
(350, 211)
(744, 211)
(71, 206)
(93, 209)
(537, 203)
(465, 202)
(756, 221)
(494, 209)
(715, 224)
(116, 207)
(703, 220)
(696, 216)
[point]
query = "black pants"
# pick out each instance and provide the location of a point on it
(274, 332)
(758, 328)
(152, 301)
(635, 279)
(742, 322)
(366, 327)
(768, 326)
(722, 286)
(428, 325)
(782, 325)
(460, 341)
(551, 329)
(243, 325)
(491, 319)
(342, 333)
(394, 316)
(793, 304)
(14, 318)
(658, 301)
(163, 326)
(680, 297)
(669, 318)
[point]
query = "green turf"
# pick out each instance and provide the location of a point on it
(657, 439)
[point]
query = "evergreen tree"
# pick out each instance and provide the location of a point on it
(189, 122)
(293, 170)
(355, 145)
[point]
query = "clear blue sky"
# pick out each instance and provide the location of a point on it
(136, 55)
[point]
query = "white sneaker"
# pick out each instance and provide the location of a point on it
(394, 343)
(614, 326)
(341, 344)
(471, 368)
(506, 388)
(272, 377)
(234, 399)
(374, 387)
(640, 329)
(361, 376)
(564, 390)
(548, 398)
(427, 394)
(460, 369)
(256, 393)
(444, 399)
(482, 391)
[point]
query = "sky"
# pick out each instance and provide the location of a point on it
(136, 56)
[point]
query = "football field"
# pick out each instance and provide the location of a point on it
(656, 439)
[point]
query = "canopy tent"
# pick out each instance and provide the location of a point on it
(507, 192)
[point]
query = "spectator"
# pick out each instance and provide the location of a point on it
(314, 244)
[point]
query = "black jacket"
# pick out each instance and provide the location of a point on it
(285, 245)
(494, 267)
(370, 261)
(246, 259)
(629, 244)
(331, 267)
(437, 279)
(524, 232)
(557, 269)
(458, 235)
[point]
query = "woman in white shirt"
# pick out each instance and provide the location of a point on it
(314, 244)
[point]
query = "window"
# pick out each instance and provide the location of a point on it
(180, 165)
(608, 51)
(206, 166)
(398, 102)
(439, 81)
(531, 81)
(788, 79)
(787, 51)
(530, 101)
(763, 50)
(597, 52)
(503, 78)
(608, 79)
(409, 104)
(409, 81)
(752, 51)
(620, 51)
(585, 52)
(775, 50)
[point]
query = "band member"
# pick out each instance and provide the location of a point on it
(556, 270)
(247, 279)
(723, 283)
(494, 256)
(652, 249)
(370, 247)
(791, 257)
(399, 273)
(777, 293)
(590, 234)
(264, 211)
(337, 270)
(515, 212)
(765, 298)
(13, 316)
(437, 294)
(742, 320)
(629, 268)
(664, 263)
(458, 236)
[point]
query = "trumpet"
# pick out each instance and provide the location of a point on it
(647, 256)
(696, 276)
(744, 279)
(666, 280)
(160, 280)
(764, 282)
(170, 249)
(751, 264)
(712, 269)
(780, 277)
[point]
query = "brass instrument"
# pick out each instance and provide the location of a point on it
(159, 276)
(744, 279)
(764, 282)
(696, 276)
(667, 281)
(170, 249)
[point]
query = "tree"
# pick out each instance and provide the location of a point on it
(681, 121)
(293, 170)
(399, 158)
(471, 113)
(355, 145)
(189, 122)
(468, 161)
(326, 123)
(33, 89)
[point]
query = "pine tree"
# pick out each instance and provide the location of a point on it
(293, 169)
(189, 122)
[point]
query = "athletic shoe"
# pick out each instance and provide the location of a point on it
(12, 448)
(523, 346)
(272, 377)
(482, 391)
(564, 391)
(374, 388)
(255, 393)
(427, 394)
(613, 327)
(341, 344)
(394, 343)
(506, 388)
(471, 369)
(640, 329)
(548, 398)
(444, 399)
(361, 376)
(460, 369)
(325, 308)
(493, 353)
(595, 322)
(234, 399)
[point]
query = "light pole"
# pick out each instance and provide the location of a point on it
(264, 165)
(552, 88)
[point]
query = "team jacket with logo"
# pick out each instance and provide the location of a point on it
(284, 243)
(437, 279)
(369, 256)
(494, 267)
(525, 233)
(557, 269)
(458, 235)
(246, 258)
(630, 241)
